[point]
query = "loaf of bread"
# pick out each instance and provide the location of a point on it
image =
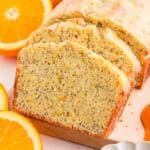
(68, 84)
(75, 75)
(100, 41)
(124, 17)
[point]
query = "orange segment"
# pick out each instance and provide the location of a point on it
(3, 98)
(145, 117)
(17, 133)
(55, 2)
(18, 19)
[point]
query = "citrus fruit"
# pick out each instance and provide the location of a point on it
(18, 19)
(3, 98)
(145, 117)
(17, 133)
(55, 2)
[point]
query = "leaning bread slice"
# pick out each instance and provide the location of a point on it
(69, 85)
(125, 19)
(89, 36)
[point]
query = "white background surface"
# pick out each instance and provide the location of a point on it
(7, 75)
(128, 129)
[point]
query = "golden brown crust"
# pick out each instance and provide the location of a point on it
(14, 92)
(117, 113)
(70, 134)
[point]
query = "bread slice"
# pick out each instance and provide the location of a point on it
(98, 14)
(69, 85)
(89, 36)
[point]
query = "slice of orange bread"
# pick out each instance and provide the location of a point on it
(130, 27)
(69, 85)
(99, 41)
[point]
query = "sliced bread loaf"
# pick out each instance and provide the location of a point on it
(69, 85)
(125, 27)
(98, 41)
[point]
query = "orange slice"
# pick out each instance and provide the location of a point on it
(145, 117)
(18, 19)
(17, 133)
(55, 2)
(3, 98)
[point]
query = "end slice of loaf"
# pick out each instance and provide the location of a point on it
(89, 36)
(126, 23)
(69, 85)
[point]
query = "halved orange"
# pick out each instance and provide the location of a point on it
(3, 98)
(18, 19)
(17, 133)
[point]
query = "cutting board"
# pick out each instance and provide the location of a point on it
(128, 128)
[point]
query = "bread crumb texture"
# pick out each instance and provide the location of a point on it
(94, 39)
(68, 84)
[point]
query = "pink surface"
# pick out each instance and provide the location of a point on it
(129, 128)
